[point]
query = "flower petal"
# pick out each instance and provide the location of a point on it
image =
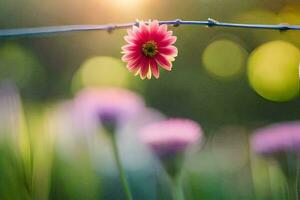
(163, 62)
(130, 39)
(144, 69)
(131, 32)
(130, 56)
(135, 63)
(143, 31)
(168, 41)
(154, 68)
(170, 51)
(135, 70)
(154, 26)
(130, 47)
(163, 28)
(157, 36)
(149, 74)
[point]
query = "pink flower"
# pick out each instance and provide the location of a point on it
(170, 137)
(149, 46)
(276, 138)
(113, 105)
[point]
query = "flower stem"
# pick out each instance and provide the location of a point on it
(293, 188)
(177, 189)
(120, 168)
(292, 191)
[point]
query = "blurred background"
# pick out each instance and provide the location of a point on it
(230, 80)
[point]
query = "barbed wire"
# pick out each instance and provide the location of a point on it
(51, 30)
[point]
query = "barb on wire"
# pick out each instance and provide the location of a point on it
(39, 31)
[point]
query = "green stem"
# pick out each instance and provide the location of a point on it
(296, 184)
(293, 188)
(292, 191)
(120, 168)
(177, 189)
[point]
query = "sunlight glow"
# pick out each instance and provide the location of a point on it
(127, 3)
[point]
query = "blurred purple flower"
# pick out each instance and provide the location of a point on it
(277, 138)
(171, 137)
(109, 106)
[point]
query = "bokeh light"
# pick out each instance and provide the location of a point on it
(101, 71)
(20, 66)
(273, 70)
(224, 58)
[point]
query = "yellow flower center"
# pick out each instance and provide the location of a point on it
(150, 48)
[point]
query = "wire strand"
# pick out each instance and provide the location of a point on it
(51, 30)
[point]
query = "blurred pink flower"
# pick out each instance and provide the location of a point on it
(276, 138)
(171, 136)
(149, 46)
(108, 105)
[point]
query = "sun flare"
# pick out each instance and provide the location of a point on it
(128, 3)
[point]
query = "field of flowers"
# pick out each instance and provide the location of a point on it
(149, 100)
